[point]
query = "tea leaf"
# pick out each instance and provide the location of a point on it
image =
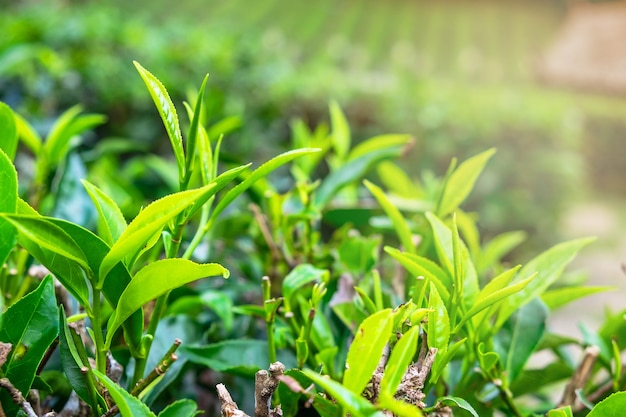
(445, 252)
(168, 114)
(612, 406)
(118, 278)
(549, 265)
(340, 131)
(519, 337)
(301, 275)
(128, 405)
(497, 247)
(397, 219)
(366, 350)
(351, 402)
(420, 266)
(458, 402)
(561, 412)
(193, 133)
(561, 296)
(241, 357)
(8, 204)
(72, 362)
(349, 172)
(31, 326)
(47, 235)
(28, 135)
(258, 173)
(488, 300)
(148, 223)
(68, 125)
(111, 222)
(438, 325)
(213, 187)
(379, 142)
(397, 182)
(397, 407)
(461, 182)
(157, 279)
(180, 408)
(399, 360)
(8, 131)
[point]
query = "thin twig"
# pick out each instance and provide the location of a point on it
(581, 376)
(17, 397)
(164, 364)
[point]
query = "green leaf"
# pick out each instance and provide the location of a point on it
(397, 407)
(111, 222)
(300, 276)
(561, 412)
(438, 325)
(531, 381)
(487, 360)
(458, 402)
(8, 203)
(485, 299)
(366, 350)
(149, 222)
(258, 173)
(419, 266)
(213, 187)
(8, 131)
(95, 250)
(461, 182)
(68, 125)
(443, 237)
(192, 136)
(70, 273)
(180, 408)
(497, 247)
(561, 296)
(399, 360)
(168, 114)
(30, 325)
(397, 219)
(340, 131)
(72, 363)
(380, 142)
(351, 402)
(28, 135)
(240, 356)
(613, 406)
(549, 266)
(519, 337)
(47, 235)
(397, 181)
(350, 172)
(129, 406)
(156, 279)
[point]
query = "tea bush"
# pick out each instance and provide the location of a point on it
(361, 299)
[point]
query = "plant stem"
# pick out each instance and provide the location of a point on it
(97, 332)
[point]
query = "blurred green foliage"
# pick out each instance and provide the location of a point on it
(438, 76)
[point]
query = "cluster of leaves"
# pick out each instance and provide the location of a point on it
(433, 319)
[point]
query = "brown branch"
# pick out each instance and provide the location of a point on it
(581, 376)
(164, 364)
(264, 387)
(228, 407)
(17, 397)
